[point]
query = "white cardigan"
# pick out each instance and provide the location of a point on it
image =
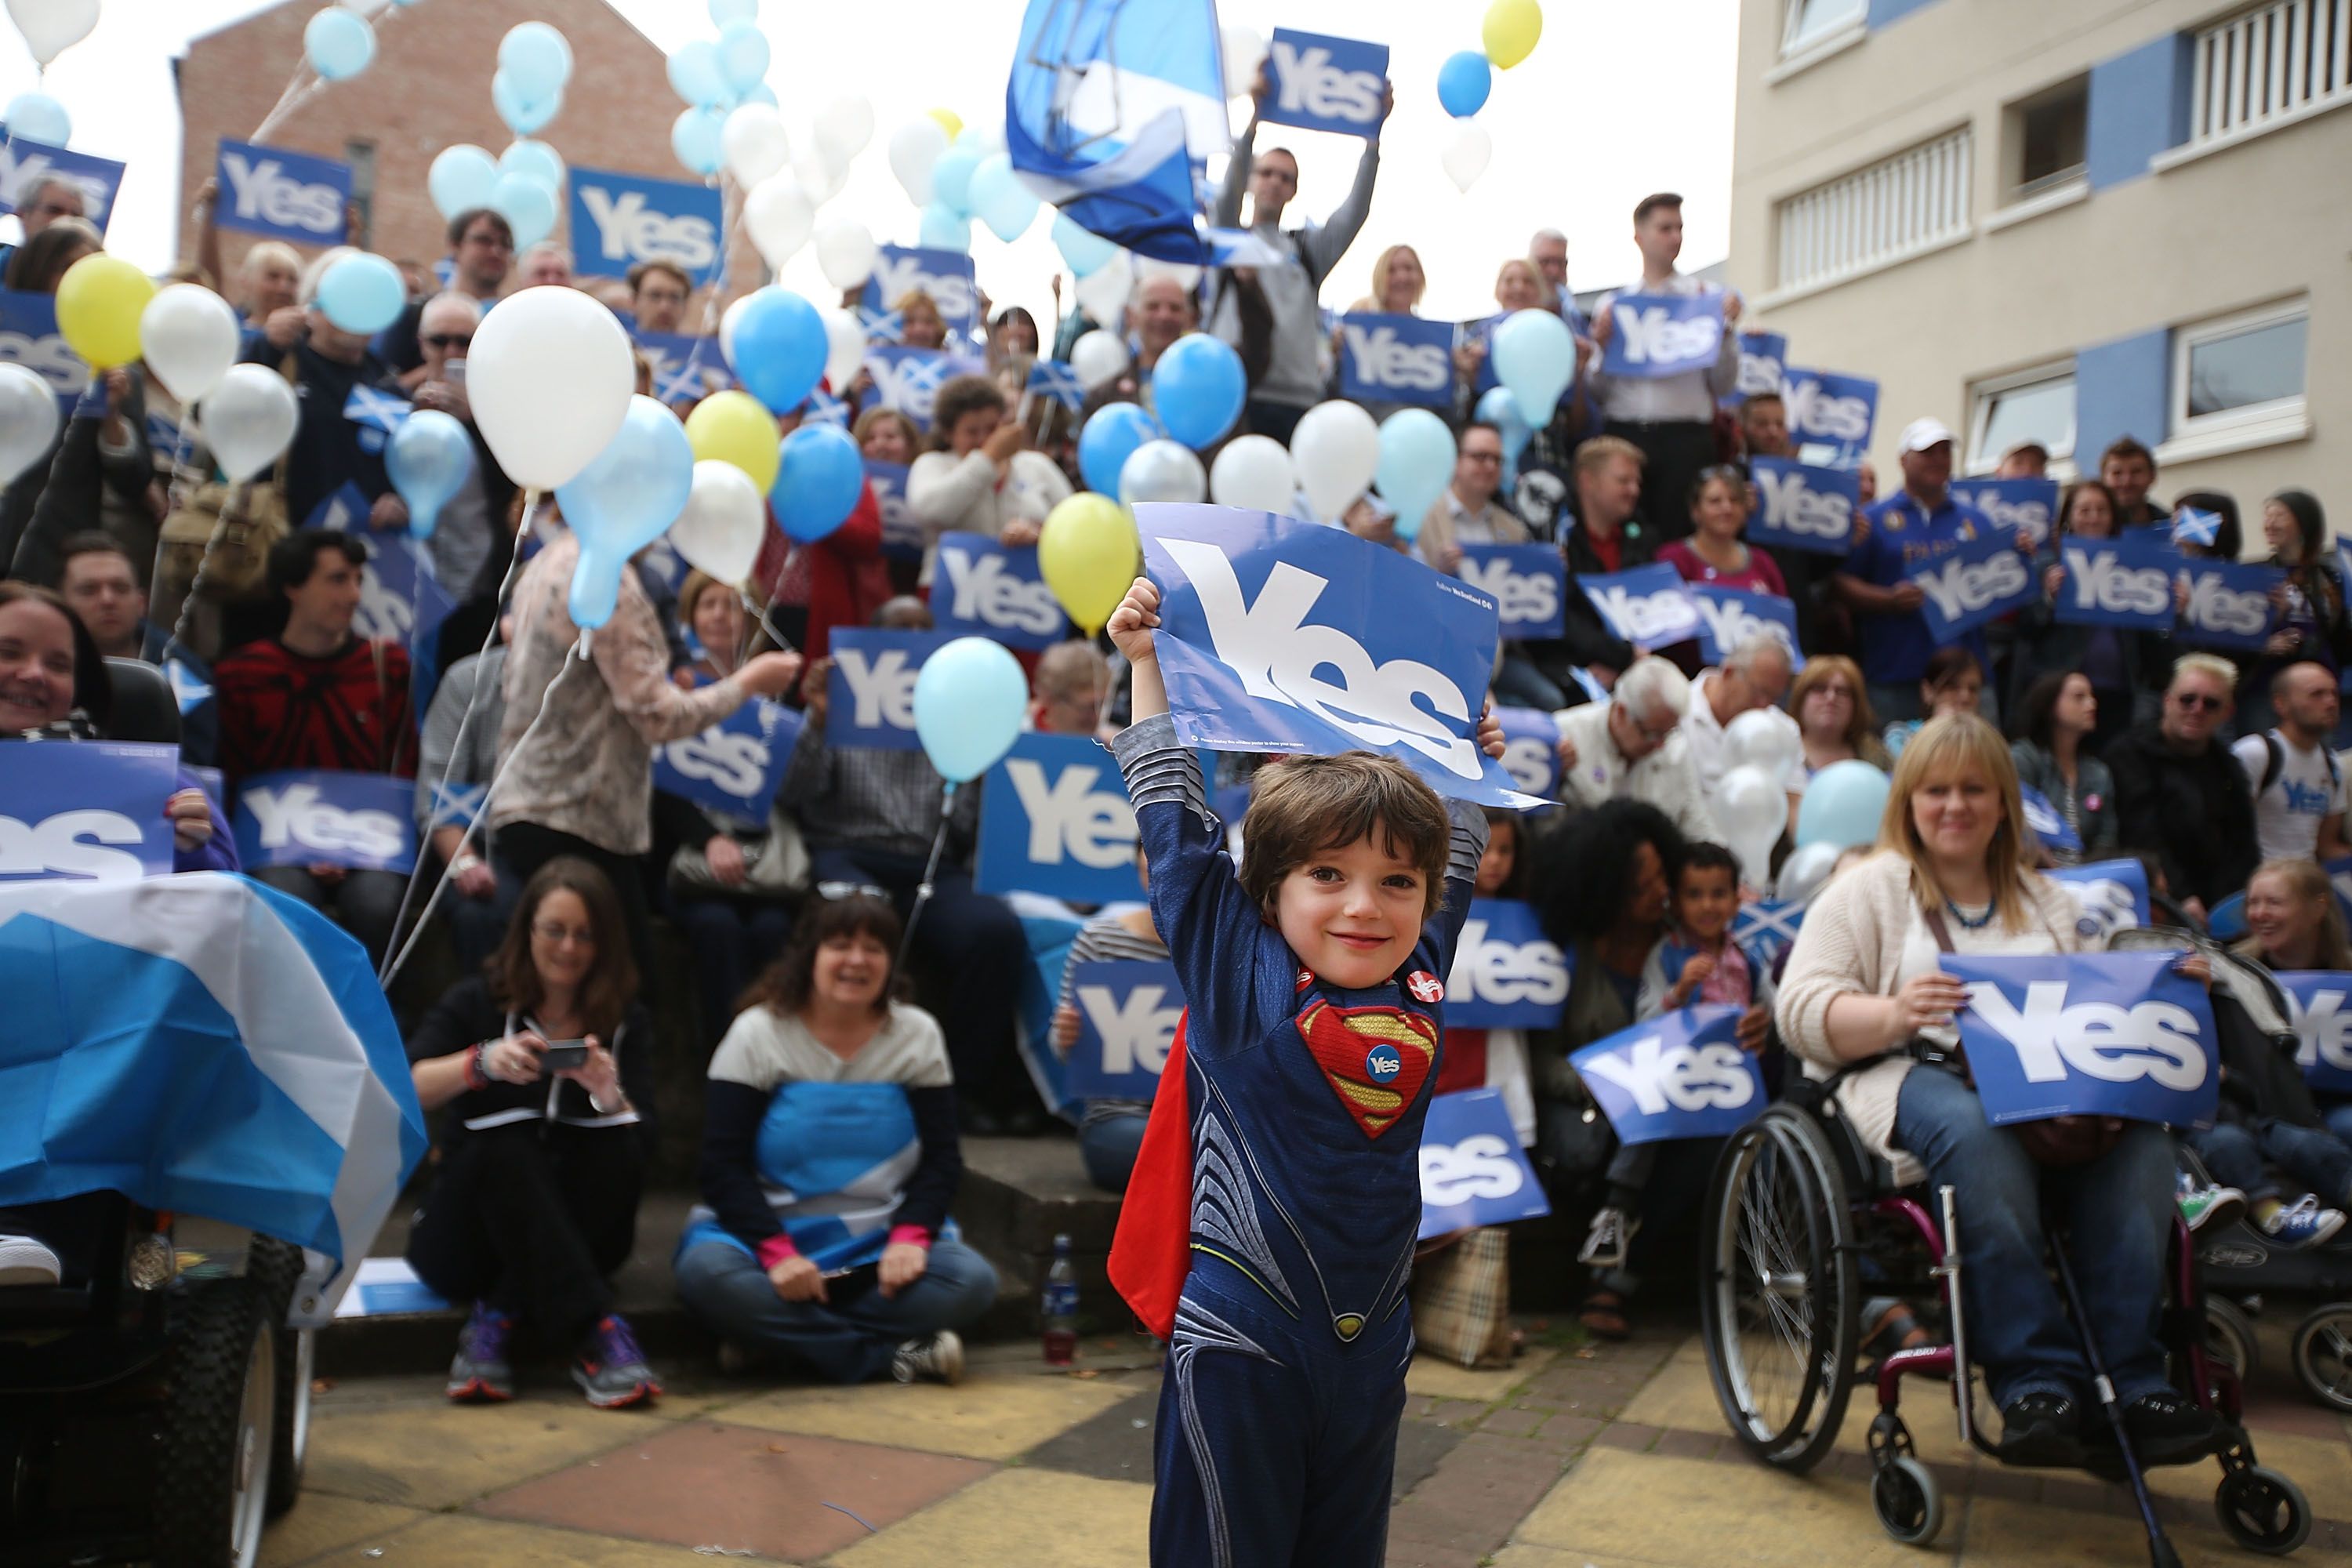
(948, 494)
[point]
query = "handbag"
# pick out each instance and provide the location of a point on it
(775, 864)
(1462, 1299)
(221, 533)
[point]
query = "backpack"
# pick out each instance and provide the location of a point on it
(2276, 752)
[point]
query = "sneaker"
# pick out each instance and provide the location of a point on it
(611, 1370)
(2041, 1430)
(2219, 1207)
(24, 1260)
(1605, 1243)
(482, 1370)
(2303, 1223)
(939, 1358)
(2168, 1427)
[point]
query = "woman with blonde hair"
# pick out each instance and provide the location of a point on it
(1397, 283)
(1834, 723)
(921, 324)
(1865, 1001)
(2294, 923)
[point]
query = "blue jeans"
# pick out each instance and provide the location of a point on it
(727, 1289)
(2337, 1118)
(1110, 1147)
(2117, 1211)
(2240, 1156)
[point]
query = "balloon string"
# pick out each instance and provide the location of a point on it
(306, 84)
(173, 494)
(242, 491)
(930, 870)
(760, 618)
(731, 217)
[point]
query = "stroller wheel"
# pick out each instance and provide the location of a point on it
(2262, 1511)
(2323, 1354)
(1910, 1504)
(2230, 1338)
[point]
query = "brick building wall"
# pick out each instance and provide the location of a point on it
(427, 88)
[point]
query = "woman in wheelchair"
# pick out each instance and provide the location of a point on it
(1865, 992)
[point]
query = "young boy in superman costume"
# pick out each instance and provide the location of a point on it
(1269, 1230)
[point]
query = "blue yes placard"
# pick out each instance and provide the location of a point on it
(735, 766)
(1799, 506)
(1530, 749)
(1326, 84)
(1506, 973)
(2325, 1024)
(2111, 894)
(23, 162)
(2122, 582)
(1981, 580)
(86, 811)
(1648, 606)
(2090, 1033)
(1054, 820)
(984, 589)
(1828, 410)
(1680, 1074)
(1396, 359)
(909, 379)
(274, 191)
(870, 694)
(1528, 583)
(620, 219)
(1472, 1170)
(1729, 617)
(362, 822)
(902, 536)
(2029, 506)
(2229, 605)
(29, 337)
(947, 276)
(1658, 335)
(1762, 356)
(1127, 1013)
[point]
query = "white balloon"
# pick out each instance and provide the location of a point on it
(549, 376)
(1253, 472)
(779, 214)
(914, 148)
(844, 348)
(1244, 51)
(754, 144)
(1336, 450)
(844, 126)
(846, 250)
(1752, 807)
(1806, 868)
(189, 337)
(820, 177)
(719, 532)
(1765, 737)
(247, 419)
(1098, 356)
(1467, 153)
(1161, 470)
(28, 419)
(1102, 293)
(53, 27)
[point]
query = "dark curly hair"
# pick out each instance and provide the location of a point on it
(786, 985)
(1580, 873)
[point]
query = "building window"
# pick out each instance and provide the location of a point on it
(2241, 372)
(1897, 208)
(360, 156)
(2031, 405)
(2273, 63)
(1811, 21)
(2045, 136)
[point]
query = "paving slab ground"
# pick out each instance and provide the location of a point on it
(1575, 1457)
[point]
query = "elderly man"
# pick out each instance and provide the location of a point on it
(2180, 795)
(1633, 747)
(45, 199)
(658, 292)
(1548, 252)
(1752, 678)
(545, 264)
(472, 523)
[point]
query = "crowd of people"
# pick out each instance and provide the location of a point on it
(835, 1101)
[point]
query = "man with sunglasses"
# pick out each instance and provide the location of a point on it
(2181, 796)
(470, 522)
(45, 199)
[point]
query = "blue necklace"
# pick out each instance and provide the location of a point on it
(1979, 923)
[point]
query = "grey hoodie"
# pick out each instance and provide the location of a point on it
(1294, 373)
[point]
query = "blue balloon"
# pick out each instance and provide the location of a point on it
(429, 458)
(527, 207)
(1501, 409)
(338, 44)
(362, 293)
(951, 179)
(1086, 252)
(694, 73)
(1198, 388)
(742, 56)
(624, 501)
(818, 481)
(697, 136)
(535, 60)
(1842, 804)
(780, 348)
(461, 179)
(1109, 438)
(946, 229)
(37, 117)
(1416, 461)
(1534, 355)
(1462, 83)
(762, 93)
(999, 200)
(536, 159)
(522, 113)
(725, 14)
(969, 702)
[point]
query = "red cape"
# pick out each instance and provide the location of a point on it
(1151, 1251)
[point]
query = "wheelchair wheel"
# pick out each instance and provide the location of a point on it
(213, 1481)
(2230, 1339)
(1780, 1303)
(276, 1267)
(2323, 1354)
(1910, 1504)
(2262, 1511)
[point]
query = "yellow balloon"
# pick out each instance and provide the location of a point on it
(948, 121)
(733, 428)
(1088, 554)
(1511, 31)
(99, 300)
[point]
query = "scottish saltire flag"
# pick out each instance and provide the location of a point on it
(86, 810)
(685, 369)
(1682, 1074)
(457, 805)
(1506, 973)
(1240, 248)
(1472, 1170)
(1284, 637)
(1648, 606)
(209, 1045)
(2325, 1026)
(369, 409)
(1110, 112)
(1127, 1013)
(191, 685)
(1055, 379)
(881, 326)
(2048, 825)
(1658, 335)
(909, 379)
(2112, 896)
(2190, 526)
(823, 408)
(1767, 926)
(2088, 1034)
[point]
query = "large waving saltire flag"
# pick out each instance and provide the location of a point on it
(1111, 111)
(206, 1045)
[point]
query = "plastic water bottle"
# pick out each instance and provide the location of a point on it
(1060, 1306)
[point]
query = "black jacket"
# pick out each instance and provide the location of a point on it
(2194, 813)
(467, 1013)
(328, 450)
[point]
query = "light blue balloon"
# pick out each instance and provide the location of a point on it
(37, 117)
(1462, 83)
(1198, 387)
(624, 501)
(338, 44)
(1416, 461)
(951, 179)
(536, 60)
(695, 75)
(697, 136)
(427, 459)
(1501, 410)
(522, 113)
(742, 56)
(725, 14)
(461, 179)
(969, 701)
(762, 93)
(527, 207)
(818, 481)
(1086, 252)
(1842, 804)
(1534, 355)
(999, 200)
(536, 159)
(945, 230)
(1109, 438)
(780, 348)
(362, 293)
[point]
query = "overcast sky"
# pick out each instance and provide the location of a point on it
(1581, 129)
